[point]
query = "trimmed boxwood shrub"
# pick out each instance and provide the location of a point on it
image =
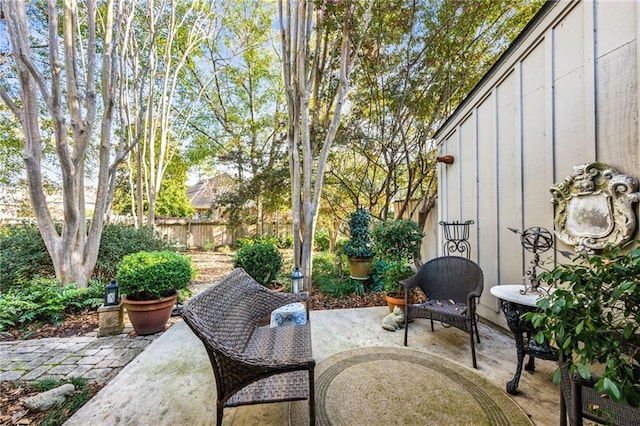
(262, 261)
(153, 275)
(118, 240)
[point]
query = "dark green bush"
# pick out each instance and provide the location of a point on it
(23, 255)
(397, 240)
(379, 270)
(119, 240)
(398, 243)
(44, 300)
(153, 275)
(360, 245)
(262, 261)
(593, 319)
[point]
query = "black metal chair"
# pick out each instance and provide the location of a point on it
(451, 284)
(579, 400)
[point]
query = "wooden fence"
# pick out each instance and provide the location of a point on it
(199, 233)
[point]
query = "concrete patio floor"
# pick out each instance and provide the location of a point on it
(171, 382)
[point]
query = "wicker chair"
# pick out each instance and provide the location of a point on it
(580, 401)
(451, 284)
(252, 364)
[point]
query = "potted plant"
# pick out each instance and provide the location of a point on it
(592, 316)
(397, 243)
(262, 261)
(150, 282)
(359, 249)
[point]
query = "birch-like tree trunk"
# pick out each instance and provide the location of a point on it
(170, 32)
(305, 42)
(66, 89)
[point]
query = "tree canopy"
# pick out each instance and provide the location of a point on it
(314, 107)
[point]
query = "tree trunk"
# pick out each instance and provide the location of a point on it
(70, 99)
(299, 23)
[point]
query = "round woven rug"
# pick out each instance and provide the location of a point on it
(383, 386)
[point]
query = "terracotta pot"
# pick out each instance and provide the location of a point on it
(396, 298)
(149, 316)
(359, 267)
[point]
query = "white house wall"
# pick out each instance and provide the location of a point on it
(565, 93)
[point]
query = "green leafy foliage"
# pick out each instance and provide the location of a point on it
(261, 239)
(119, 240)
(360, 244)
(386, 274)
(153, 275)
(23, 255)
(262, 261)
(397, 239)
(44, 300)
(321, 240)
(593, 319)
(396, 244)
(328, 279)
(172, 199)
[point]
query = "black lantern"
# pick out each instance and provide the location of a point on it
(111, 294)
(296, 280)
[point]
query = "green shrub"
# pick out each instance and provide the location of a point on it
(285, 242)
(398, 243)
(592, 316)
(153, 275)
(23, 255)
(359, 245)
(44, 300)
(262, 261)
(119, 240)
(328, 279)
(378, 273)
(397, 240)
(321, 240)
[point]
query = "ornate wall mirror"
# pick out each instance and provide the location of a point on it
(594, 207)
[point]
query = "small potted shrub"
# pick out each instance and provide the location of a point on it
(262, 261)
(593, 318)
(398, 244)
(359, 249)
(150, 282)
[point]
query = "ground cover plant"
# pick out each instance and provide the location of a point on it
(44, 301)
(13, 411)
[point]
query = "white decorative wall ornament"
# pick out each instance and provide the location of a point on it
(594, 207)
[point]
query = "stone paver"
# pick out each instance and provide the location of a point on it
(94, 358)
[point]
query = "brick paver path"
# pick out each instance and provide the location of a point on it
(94, 358)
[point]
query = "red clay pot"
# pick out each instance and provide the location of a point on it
(149, 316)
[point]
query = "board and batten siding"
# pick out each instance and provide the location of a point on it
(564, 93)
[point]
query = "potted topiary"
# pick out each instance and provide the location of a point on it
(262, 261)
(592, 316)
(397, 243)
(150, 282)
(359, 249)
